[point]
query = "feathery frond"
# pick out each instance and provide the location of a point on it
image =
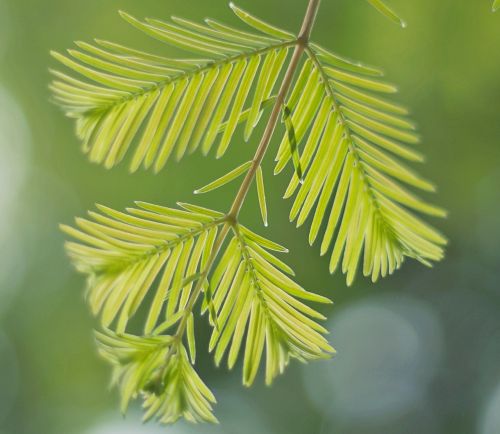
(254, 295)
(168, 384)
(169, 106)
(352, 140)
(148, 249)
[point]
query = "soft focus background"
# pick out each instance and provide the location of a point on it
(417, 353)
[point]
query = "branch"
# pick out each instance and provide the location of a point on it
(232, 216)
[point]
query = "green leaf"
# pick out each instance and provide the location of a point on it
(127, 101)
(387, 12)
(292, 140)
(191, 279)
(170, 322)
(191, 337)
(223, 180)
(208, 302)
(261, 193)
(260, 25)
(246, 113)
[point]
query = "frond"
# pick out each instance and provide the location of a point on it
(158, 370)
(254, 296)
(125, 99)
(353, 141)
(148, 249)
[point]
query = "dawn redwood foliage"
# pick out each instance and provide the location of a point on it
(345, 142)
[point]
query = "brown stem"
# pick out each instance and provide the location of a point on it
(300, 46)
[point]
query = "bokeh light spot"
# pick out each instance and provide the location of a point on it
(388, 351)
(8, 376)
(14, 149)
(490, 420)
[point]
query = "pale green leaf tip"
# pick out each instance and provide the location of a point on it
(322, 300)
(63, 227)
(124, 14)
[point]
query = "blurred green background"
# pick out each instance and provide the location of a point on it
(417, 353)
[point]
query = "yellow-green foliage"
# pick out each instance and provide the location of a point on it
(345, 142)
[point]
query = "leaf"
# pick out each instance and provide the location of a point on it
(292, 140)
(208, 302)
(227, 178)
(254, 297)
(259, 24)
(127, 101)
(191, 337)
(353, 178)
(261, 195)
(147, 249)
(247, 113)
(387, 12)
(157, 369)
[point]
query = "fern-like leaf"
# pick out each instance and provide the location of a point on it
(148, 249)
(169, 106)
(353, 139)
(147, 366)
(254, 295)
